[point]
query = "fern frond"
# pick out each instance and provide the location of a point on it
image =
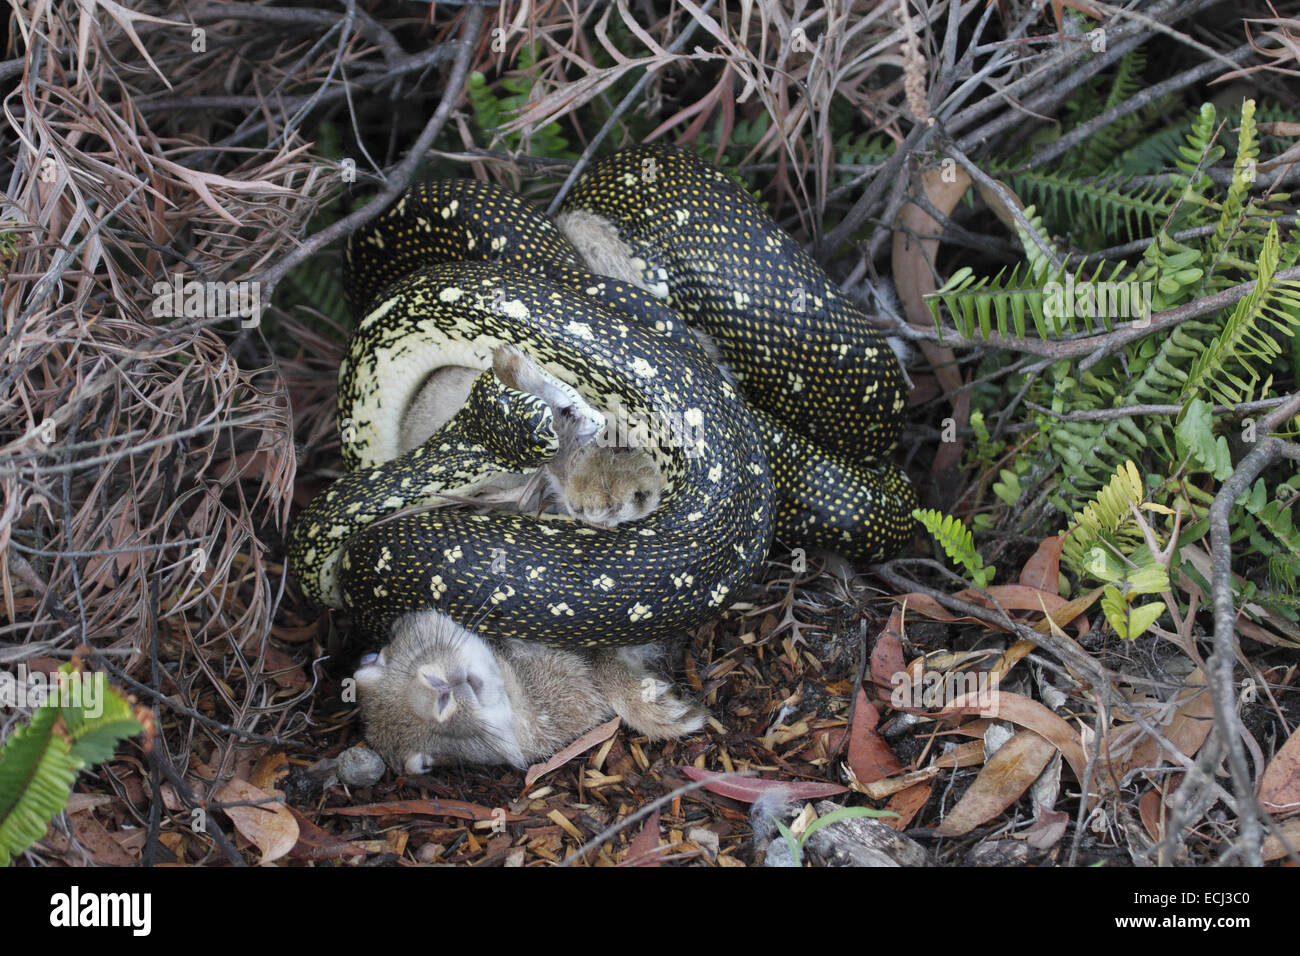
(1103, 206)
(957, 542)
(1243, 176)
(1102, 520)
(39, 763)
(1196, 155)
(1098, 151)
(492, 111)
(1053, 302)
(1227, 368)
(37, 771)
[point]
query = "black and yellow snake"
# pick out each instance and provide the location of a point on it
(457, 268)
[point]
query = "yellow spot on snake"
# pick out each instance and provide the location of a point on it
(450, 294)
(515, 309)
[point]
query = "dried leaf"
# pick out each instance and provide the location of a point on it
(1043, 570)
(887, 656)
(643, 851)
(584, 743)
(1006, 775)
(1187, 730)
(749, 789)
(1279, 790)
(869, 755)
(1274, 848)
(907, 804)
(317, 844)
(1151, 808)
(98, 842)
(1034, 716)
(268, 771)
(270, 825)
(1047, 829)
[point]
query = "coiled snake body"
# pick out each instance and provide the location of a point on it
(800, 454)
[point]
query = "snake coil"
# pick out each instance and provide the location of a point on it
(457, 268)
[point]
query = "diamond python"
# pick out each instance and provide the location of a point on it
(648, 237)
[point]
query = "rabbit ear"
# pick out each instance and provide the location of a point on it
(371, 670)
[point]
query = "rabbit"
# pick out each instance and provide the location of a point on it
(440, 694)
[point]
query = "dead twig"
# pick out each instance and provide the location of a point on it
(400, 177)
(1268, 449)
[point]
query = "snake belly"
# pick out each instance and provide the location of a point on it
(827, 390)
(543, 577)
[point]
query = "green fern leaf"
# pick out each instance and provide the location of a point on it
(956, 540)
(39, 763)
(1247, 341)
(1102, 521)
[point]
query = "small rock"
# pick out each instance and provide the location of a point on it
(360, 767)
(429, 852)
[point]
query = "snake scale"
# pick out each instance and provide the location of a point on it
(652, 243)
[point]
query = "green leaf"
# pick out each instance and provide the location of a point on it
(956, 541)
(1129, 622)
(795, 846)
(1195, 437)
(843, 813)
(37, 771)
(1008, 489)
(80, 726)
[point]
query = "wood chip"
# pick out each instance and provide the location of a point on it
(565, 824)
